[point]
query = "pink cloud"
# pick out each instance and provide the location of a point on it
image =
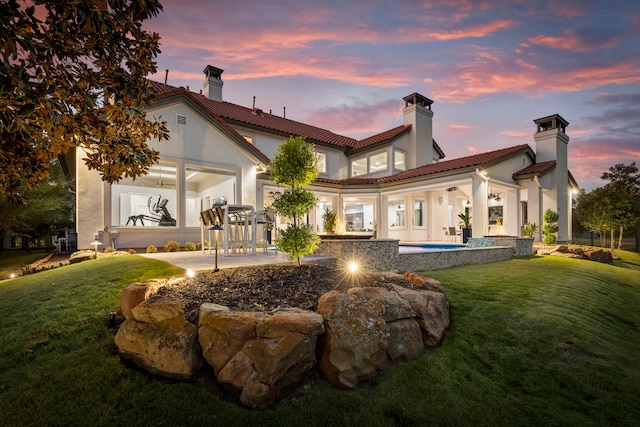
(489, 74)
(362, 120)
(569, 40)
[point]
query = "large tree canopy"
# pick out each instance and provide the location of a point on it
(74, 75)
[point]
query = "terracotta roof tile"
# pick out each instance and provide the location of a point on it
(385, 136)
(256, 117)
(536, 169)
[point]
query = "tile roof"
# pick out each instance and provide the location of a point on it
(535, 169)
(248, 117)
(258, 118)
(385, 136)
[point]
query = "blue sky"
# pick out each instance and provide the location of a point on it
(491, 67)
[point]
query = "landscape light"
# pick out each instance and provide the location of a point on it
(216, 228)
(353, 267)
(96, 243)
(190, 273)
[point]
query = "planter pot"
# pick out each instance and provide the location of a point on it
(466, 233)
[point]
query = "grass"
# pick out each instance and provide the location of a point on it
(12, 261)
(534, 341)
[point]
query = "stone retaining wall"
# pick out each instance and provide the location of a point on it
(434, 260)
(522, 246)
(384, 254)
(354, 336)
(377, 254)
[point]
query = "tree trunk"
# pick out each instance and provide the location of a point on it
(638, 238)
(613, 235)
(620, 237)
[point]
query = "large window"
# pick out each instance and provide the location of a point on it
(207, 187)
(399, 161)
(396, 213)
(418, 213)
(373, 163)
(358, 216)
(321, 162)
(378, 162)
(150, 200)
(359, 166)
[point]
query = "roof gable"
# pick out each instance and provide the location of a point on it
(194, 101)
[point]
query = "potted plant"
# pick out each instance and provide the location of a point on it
(465, 218)
(529, 229)
(330, 221)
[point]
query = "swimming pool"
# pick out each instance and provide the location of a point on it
(433, 246)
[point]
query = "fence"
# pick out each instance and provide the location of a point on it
(593, 239)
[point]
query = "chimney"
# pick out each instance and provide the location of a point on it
(213, 83)
(417, 113)
(551, 145)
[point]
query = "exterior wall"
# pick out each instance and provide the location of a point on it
(90, 203)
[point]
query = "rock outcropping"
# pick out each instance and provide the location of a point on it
(259, 355)
(160, 339)
(566, 251)
(355, 335)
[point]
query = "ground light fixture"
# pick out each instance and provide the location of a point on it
(95, 244)
(190, 273)
(353, 267)
(216, 228)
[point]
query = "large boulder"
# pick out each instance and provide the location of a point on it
(159, 339)
(259, 355)
(432, 312)
(135, 293)
(80, 256)
(598, 255)
(367, 331)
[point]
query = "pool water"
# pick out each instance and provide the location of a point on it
(435, 246)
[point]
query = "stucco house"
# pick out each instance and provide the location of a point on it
(396, 184)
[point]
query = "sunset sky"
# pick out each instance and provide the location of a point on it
(490, 67)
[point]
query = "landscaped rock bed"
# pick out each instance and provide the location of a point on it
(263, 329)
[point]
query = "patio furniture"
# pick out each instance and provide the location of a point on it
(453, 234)
(266, 219)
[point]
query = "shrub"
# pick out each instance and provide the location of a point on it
(199, 245)
(172, 246)
(550, 227)
(108, 249)
(132, 251)
(529, 230)
(151, 249)
(189, 246)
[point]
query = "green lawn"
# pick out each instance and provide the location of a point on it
(534, 341)
(12, 261)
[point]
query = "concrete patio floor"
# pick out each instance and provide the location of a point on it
(196, 260)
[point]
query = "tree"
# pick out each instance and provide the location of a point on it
(293, 167)
(49, 207)
(550, 227)
(74, 75)
(624, 186)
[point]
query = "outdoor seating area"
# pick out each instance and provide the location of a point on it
(237, 228)
(451, 234)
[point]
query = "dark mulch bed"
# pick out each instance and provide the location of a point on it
(267, 288)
